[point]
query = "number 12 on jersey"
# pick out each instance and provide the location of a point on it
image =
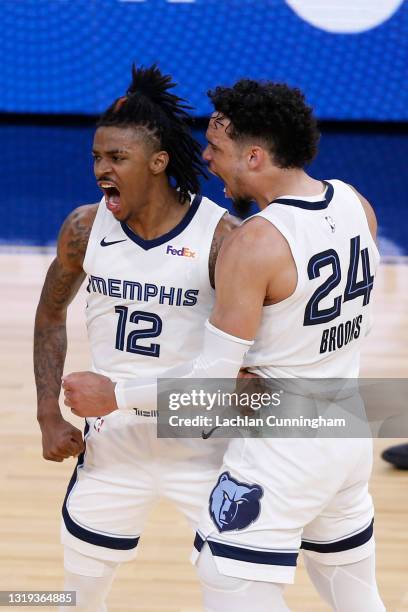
(129, 343)
(315, 315)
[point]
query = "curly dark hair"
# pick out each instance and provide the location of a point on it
(164, 117)
(273, 112)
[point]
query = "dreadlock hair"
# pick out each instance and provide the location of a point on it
(273, 113)
(163, 119)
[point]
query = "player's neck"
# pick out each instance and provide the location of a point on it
(159, 214)
(281, 182)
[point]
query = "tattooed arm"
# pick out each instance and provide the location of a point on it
(224, 227)
(60, 439)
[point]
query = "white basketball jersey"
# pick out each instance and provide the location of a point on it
(148, 299)
(317, 331)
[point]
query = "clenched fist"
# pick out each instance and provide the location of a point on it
(60, 439)
(89, 394)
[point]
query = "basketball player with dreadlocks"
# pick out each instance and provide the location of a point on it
(148, 250)
(293, 301)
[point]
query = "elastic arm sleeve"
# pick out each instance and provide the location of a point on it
(221, 357)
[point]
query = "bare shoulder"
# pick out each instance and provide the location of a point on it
(369, 212)
(74, 235)
(246, 258)
(258, 256)
(225, 226)
(65, 274)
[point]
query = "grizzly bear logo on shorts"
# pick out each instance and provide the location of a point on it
(233, 504)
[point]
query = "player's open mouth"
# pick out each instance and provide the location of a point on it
(112, 195)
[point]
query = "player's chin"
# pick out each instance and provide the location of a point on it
(121, 214)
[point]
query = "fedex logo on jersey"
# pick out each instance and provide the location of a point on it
(183, 252)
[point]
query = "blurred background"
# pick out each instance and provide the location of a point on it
(64, 61)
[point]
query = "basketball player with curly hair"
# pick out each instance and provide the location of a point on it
(293, 300)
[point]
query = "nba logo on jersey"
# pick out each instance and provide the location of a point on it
(98, 424)
(331, 222)
(233, 504)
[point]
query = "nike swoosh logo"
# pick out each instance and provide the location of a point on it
(205, 435)
(104, 243)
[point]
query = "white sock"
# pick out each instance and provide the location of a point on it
(347, 588)
(90, 578)
(226, 594)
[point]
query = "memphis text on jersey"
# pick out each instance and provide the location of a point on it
(142, 292)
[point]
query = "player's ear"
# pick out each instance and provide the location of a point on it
(255, 157)
(158, 162)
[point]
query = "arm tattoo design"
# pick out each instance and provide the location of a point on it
(212, 260)
(50, 336)
(62, 282)
(50, 345)
(79, 231)
(226, 225)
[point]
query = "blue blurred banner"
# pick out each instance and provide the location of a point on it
(47, 171)
(74, 56)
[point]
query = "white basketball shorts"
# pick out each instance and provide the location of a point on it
(273, 497)
(124, 470)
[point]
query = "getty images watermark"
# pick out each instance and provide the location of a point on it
(209, 400)
(212, 401)
(248, 408)
(284, 408)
